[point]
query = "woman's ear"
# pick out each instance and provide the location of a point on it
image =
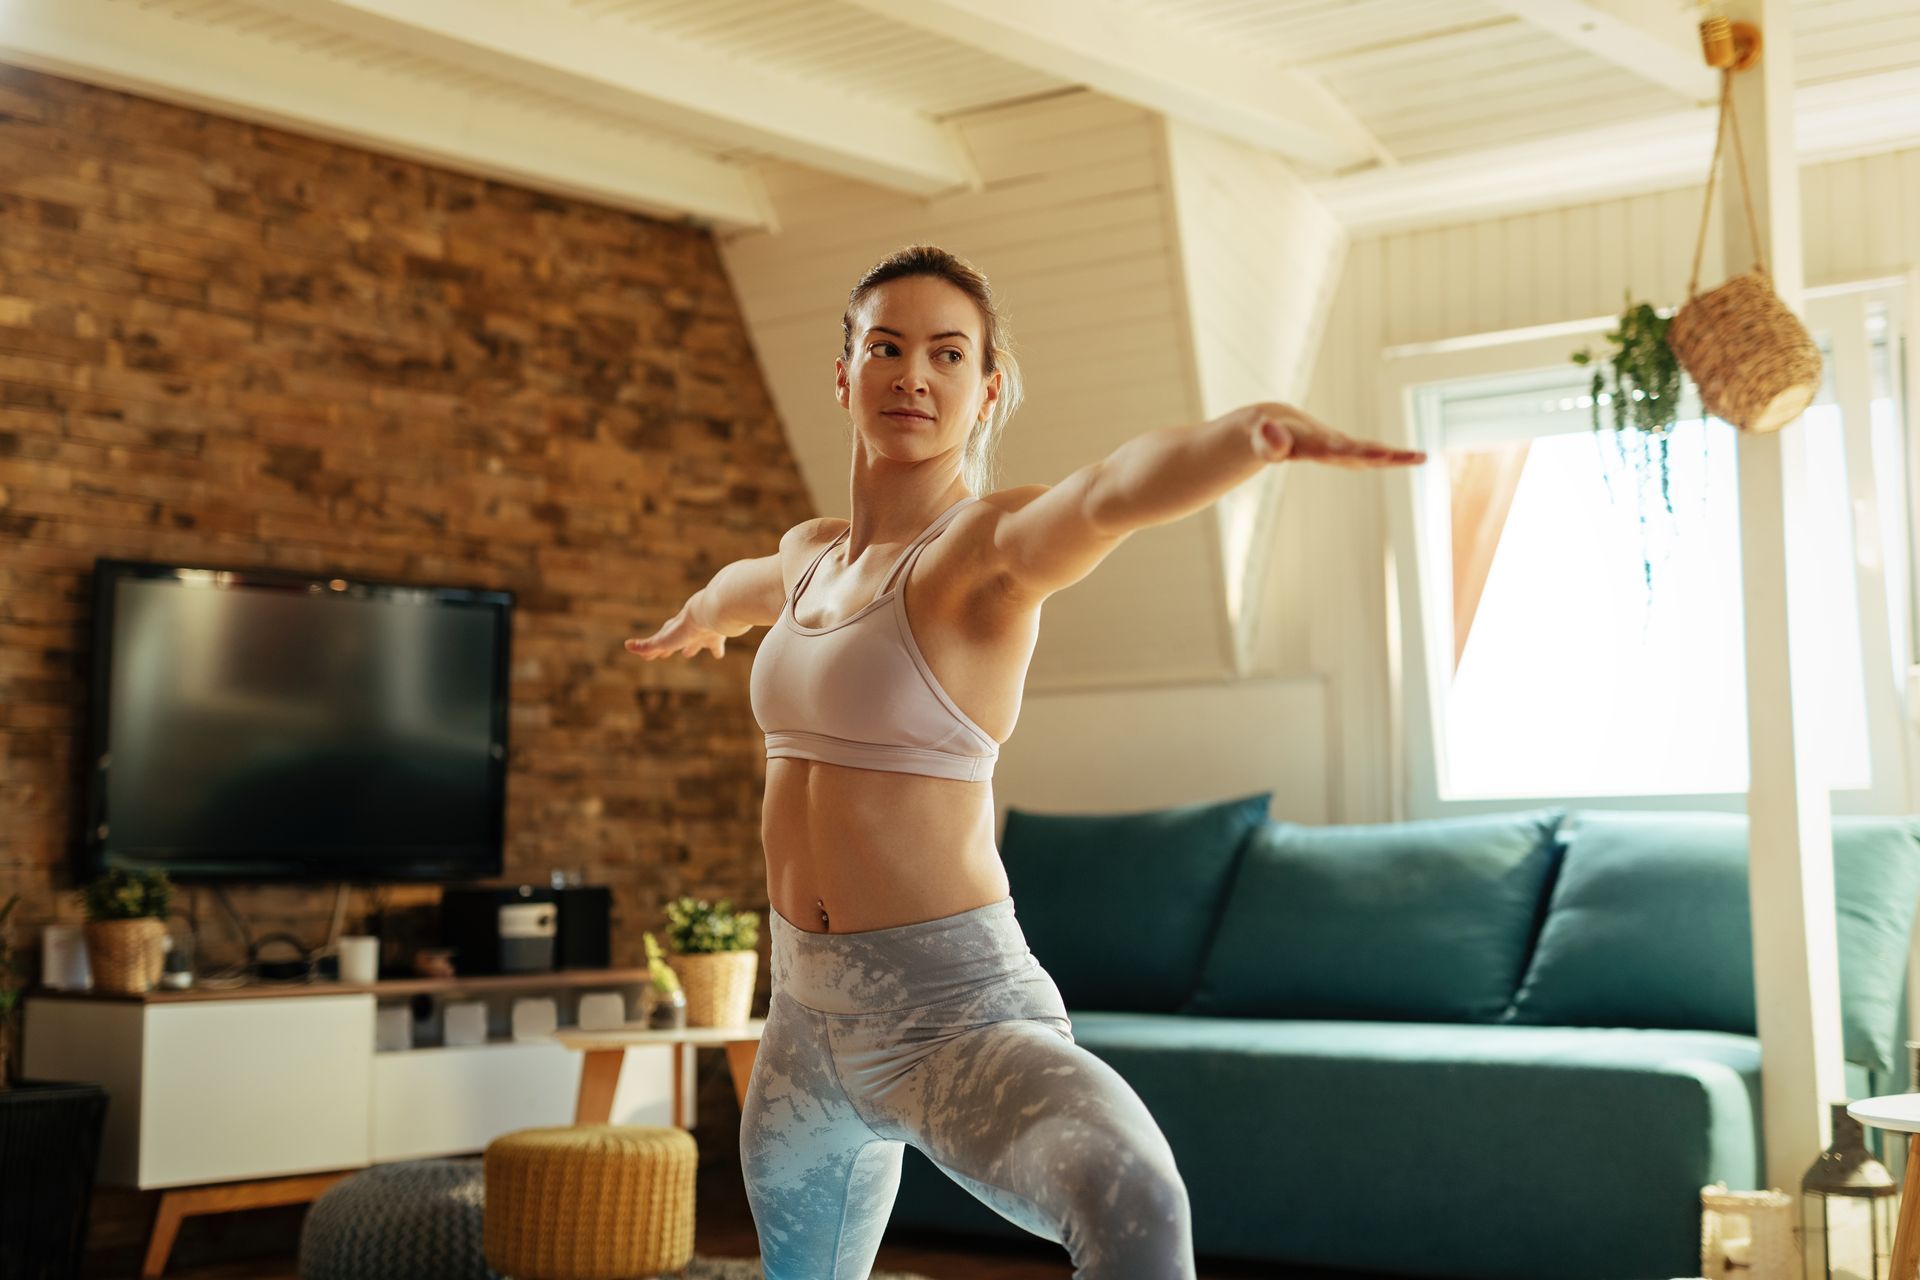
(841, 392)
(993, 392)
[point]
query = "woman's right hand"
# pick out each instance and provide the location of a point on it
(680, 635)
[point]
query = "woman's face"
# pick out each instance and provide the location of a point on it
(915, 383)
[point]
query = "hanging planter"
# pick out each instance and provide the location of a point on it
(1753, 360)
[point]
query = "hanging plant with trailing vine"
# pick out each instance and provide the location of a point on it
(1640, 382)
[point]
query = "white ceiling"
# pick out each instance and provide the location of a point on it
(1394, 110)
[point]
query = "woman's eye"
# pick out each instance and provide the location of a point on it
(957, 357)
(876, 346)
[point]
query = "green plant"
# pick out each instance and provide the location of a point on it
(659, 972)
(121, 894)
(1640, 381)
(695, 927)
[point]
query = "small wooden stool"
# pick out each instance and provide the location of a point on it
(580, 1202)
(1900, 1113)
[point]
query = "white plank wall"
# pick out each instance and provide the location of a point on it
(1074, 228)
(1260, 261)
(1325, 602)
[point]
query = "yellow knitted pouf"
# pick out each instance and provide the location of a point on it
(589, 1202)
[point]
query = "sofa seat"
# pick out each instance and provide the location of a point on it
(1427, 1148)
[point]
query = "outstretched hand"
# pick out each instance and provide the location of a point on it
(680, 635)
(1282, 433)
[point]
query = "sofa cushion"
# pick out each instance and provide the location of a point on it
(1649, 925)
(1504, 1152)
(1117, 907)
(1426, 920)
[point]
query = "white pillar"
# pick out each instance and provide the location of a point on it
(1796, 975)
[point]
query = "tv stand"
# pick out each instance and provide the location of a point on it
(267, 1094)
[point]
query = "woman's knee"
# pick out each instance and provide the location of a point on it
(1136, 1185)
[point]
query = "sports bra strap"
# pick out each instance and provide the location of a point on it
(912, 552)
(807, 577)
(919, 544)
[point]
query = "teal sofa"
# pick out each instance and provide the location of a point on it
(1512, 1045)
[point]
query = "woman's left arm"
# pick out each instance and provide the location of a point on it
(1058, 538)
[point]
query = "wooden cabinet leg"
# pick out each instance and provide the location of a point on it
(166, 1229)
(182, 1203)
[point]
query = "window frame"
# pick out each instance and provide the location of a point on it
(1419, 553)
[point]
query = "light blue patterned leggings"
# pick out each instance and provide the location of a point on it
(946, 1034)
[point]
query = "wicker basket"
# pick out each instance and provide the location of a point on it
(1754, 362)
(126, 955)
(719, 986)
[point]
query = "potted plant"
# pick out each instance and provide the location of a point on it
(715, 958)
(1639, 380)
(126, 928)
(669, 1001)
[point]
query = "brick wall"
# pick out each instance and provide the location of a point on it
(225, 342)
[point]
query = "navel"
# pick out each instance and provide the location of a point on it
(821, 903)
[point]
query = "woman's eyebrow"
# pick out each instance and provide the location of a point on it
(951, 333)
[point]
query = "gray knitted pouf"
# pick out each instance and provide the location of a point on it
(420, 1219)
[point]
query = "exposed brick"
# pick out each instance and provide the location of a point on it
(225, 344)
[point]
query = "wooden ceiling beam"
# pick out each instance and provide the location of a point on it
(1157, 64)
(1657, 40)
(675, 85)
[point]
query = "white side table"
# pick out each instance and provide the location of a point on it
(604, 1051)
(1900, 1113)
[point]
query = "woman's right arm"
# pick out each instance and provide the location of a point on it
(744, 594)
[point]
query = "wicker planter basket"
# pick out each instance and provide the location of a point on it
(126, 955)
(1754, 362)
(719, 986)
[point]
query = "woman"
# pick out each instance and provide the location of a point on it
(906, 1006)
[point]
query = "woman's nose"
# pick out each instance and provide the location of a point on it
(911, 377)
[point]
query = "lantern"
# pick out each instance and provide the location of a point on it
(1847, 1208)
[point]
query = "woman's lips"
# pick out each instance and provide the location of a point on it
(907, 415)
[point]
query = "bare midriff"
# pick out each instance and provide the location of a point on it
(852, 849)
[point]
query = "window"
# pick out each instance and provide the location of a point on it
(1578, 642)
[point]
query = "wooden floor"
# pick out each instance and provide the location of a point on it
(723, 1228)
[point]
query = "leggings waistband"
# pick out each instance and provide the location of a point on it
(878, 970)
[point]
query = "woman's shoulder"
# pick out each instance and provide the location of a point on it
(1007, 501)
(809, 536)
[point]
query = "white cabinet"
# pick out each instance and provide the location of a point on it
(209, 1088)
(214, 1090)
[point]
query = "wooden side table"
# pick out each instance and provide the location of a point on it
(603, 1052)
(1900, 1113)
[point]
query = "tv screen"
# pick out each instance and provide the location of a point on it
(269, 725)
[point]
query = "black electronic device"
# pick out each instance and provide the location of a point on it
(586, 927)
(500, 930)
(265, 725)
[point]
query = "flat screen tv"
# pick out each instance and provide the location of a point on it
(264, 725)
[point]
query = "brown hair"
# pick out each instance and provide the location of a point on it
(983, 441)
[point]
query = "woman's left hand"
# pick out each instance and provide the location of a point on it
(1282, 433)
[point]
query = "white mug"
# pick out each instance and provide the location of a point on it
(359, 959)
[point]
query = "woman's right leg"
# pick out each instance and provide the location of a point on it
(820, 1182)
